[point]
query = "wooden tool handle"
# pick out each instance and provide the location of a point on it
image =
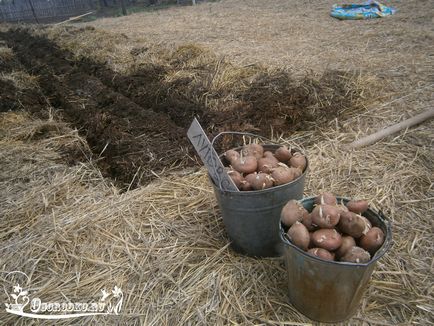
(368, 140)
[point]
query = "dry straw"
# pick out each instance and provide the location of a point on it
(189, 80)
(164, 244)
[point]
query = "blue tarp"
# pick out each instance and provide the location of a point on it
(370, 9)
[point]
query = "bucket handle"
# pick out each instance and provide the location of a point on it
(240, 134)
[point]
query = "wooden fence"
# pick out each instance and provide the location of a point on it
(38, 11)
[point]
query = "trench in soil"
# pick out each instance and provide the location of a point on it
(128, 139)
(132, 123)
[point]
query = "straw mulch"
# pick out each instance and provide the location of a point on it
(164, 245)
(299, 34)
(190, 80)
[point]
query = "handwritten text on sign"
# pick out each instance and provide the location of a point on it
(209, 157)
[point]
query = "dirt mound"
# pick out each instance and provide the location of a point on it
(190, 80)
(130, 140)
(16, 89)
(136, 123)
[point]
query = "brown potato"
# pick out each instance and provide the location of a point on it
(372, 240)
(283, 175)
(283, 154)
(292, 212)
(321, 253)
(342, 208)
(307, 222)
(356, 255)
(299, 235)
(352, 224)
(267, 164)
(328, 239)
(347, 243)
(255, 150)
(326, 198)
(297, 172)
(247, 164)
(357, 206)
(236, 177)
(298, 160)
(231, 155)
(368, 224)
(246, 186)
(259, 181)
(271, 156)
(325, 216)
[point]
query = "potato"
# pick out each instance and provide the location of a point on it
(328, 239)
(231, 155)
(297, 172)
(267, 164)
(372, 240)
(298, 160)
(347, 243)
(246, 186)
(352, 224)
(259, 181)
(255, 150)
(283, 175)
(368, 224)
(271, 156)
(321, 253)
(247, 164)
(356, 255)
(292, 212)
(342, 208)
(357, 206)
(236, 177)
(326, 198)
(307, 222)
(325, 216)
(283, 154)
(299, 235)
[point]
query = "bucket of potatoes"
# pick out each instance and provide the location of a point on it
(258, 167)
(331, 246)
(267, 176)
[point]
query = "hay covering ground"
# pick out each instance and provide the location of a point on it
(164, 244)
(189, 79)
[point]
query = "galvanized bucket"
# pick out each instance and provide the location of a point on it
(329, 291)
(251, 218)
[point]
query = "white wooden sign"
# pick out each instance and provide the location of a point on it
(209, 157)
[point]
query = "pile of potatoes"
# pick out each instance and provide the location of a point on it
(253, 168)
(333, 231)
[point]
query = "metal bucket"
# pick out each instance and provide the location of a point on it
(329, 291)
(251, 218)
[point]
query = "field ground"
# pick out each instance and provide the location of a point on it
(100, 186)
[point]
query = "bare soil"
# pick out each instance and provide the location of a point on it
(136, 123)
(124, 135)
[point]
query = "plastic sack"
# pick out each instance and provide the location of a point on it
(371, 9)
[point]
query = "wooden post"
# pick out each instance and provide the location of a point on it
(103, 3)
(33, 11)
(124, 9)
